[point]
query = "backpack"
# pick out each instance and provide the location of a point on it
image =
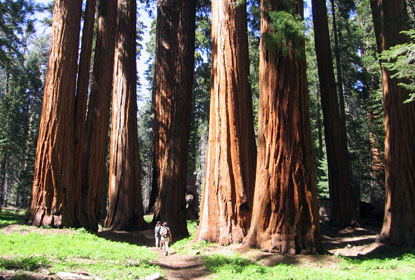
(157, 230)
(164, 232)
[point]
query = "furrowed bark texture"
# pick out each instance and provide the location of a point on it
(390, 17)
(97, 125)
(81, 98)
(285, 216)
(231, 156)
(54, 194)
(125, 210)
(341, 195)
(173, 95)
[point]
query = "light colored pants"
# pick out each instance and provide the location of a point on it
(165, 244)
(157, 241)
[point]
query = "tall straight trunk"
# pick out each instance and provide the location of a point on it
(173, 95)
(125, 209)
(230, 169)
(390, 17)
(285, 215)
(82, 87)
(338, 64)
(54, 195)
(97, 124)
(341, 197)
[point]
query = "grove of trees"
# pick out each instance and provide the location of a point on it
(261, 110)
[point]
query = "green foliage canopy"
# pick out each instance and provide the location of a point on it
(400, 59)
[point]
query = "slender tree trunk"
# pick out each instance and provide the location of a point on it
(338, 64)
(125, 210)
(54, 195)
(230, 170)
(173, 95)
(285, 215)
(319, 124)
(3, 178)
(341, 195)
(390, 17)
(97, 124)
(82, 90)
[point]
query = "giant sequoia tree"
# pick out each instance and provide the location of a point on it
(230, 164)
(54, 193)
(285, 217)
(125, 209)
(96, 133)
(390, 17)
(341, 199)
(172, 97)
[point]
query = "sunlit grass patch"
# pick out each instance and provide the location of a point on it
(187, 246)
(75, 251)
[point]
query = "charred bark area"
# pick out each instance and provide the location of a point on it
(341, 193)
(173, 95)
(97, 124)
(285, 217)
(125, 210)
(54, 194)
(390, 17)
(231, 157)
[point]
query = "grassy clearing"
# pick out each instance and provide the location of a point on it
(76, 251)
(25, 250)
(238, 267)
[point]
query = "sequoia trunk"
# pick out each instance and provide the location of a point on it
(97, 124)
(173, 95)
(390, 17)
(285, 214)
(341, 195)
(231, 154)
(54, 194)
(125, 209)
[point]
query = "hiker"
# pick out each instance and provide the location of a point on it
(166, 238)
(157, 234)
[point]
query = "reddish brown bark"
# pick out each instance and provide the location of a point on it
(341, 195)
(390, 17)
(54, 195)
(231, 154)
(125, 209)
(285, 217)
(173, 95)
(97, 125)
(82, 87)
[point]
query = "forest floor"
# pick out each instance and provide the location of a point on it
(348, 242)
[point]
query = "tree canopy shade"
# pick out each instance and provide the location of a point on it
(54, 195)
(230, 165)
(285, 218)
(390, 18)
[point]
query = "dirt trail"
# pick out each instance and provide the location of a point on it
(352, 242)
(178, 267)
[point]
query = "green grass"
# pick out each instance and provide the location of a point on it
(240, 268)
(74, 251)
(24, 250)
(8, 217)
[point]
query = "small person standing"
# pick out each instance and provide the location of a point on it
(166, 238)
(157, 234)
